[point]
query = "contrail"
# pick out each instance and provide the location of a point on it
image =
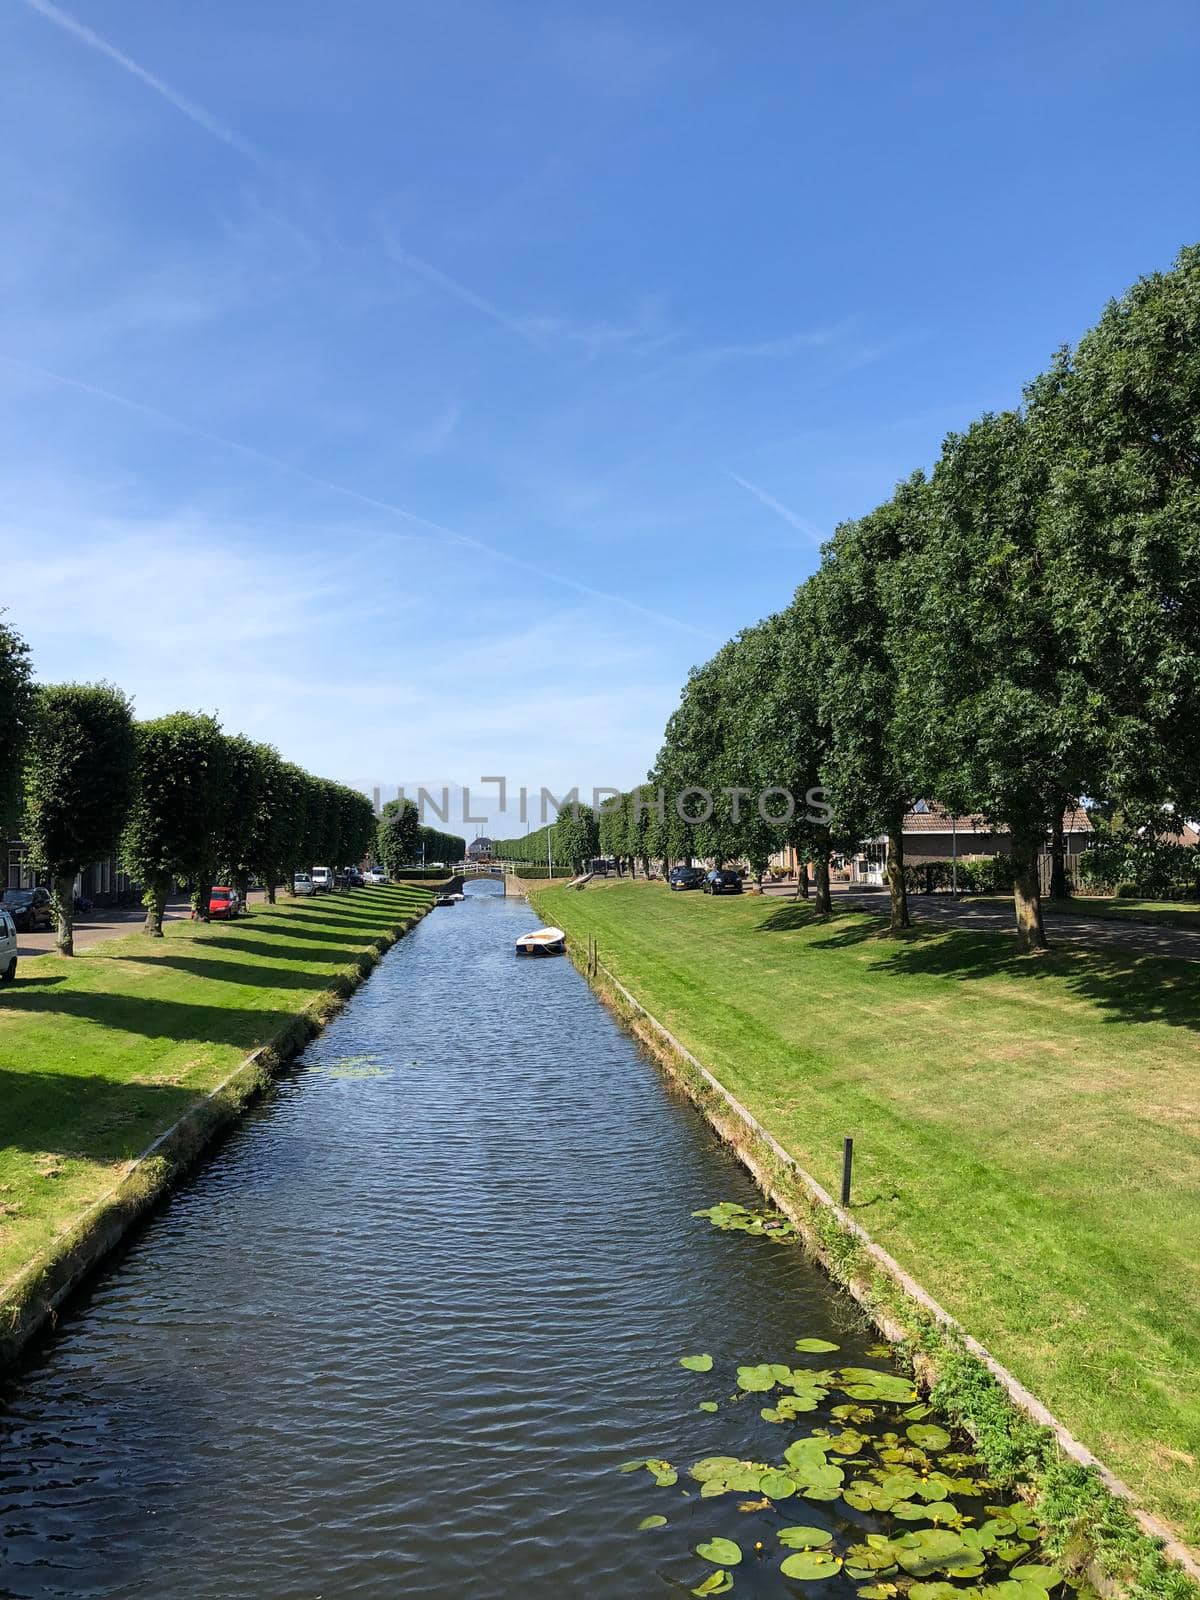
(195, 113)
(802, 524)
(459, 291)
(447, 535)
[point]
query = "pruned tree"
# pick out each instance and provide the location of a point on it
(177, 806)
(16, 708)
(79, 771)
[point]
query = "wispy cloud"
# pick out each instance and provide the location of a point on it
(445, 284)
(801, 524)
(189, 108)
(448, 535)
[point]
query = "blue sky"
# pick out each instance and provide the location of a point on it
(425, 387)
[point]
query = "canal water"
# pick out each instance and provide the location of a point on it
(398, 1336)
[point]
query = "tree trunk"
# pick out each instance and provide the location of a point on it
(646, 868)
(270, 887)
(1027, 897)
(64, 906)
(896, 886)
(824, 897)
(801, 877)
(242, 885)
(155, 901)
(1058, 859)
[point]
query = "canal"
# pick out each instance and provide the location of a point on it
(399, 1335)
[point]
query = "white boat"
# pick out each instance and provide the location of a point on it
(542, 942)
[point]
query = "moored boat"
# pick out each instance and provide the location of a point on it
(542, 942)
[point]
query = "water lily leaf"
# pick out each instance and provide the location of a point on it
(909, 1510)
(719, 1582)
(713, 1467)
(804, 1538)
(757, 1380)
(930, 1550)
(934, 1591)
(847, 1443)
(814, 1346)
(821, 1492)
(1044, 1577)
(863, 1383)
(651, 1522)
(918, 1412)
(853, 1413)
(928, 1436)
(811, 1565)
(721, 1552)
(698, 1363)
(665, 1479)
(708, 1405)
(632, 1466)
(777, 1485)
(878, 1591)
(1014, 1589)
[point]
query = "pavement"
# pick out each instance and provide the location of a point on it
(106, 922)
(1062, 927)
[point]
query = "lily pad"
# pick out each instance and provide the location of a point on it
(1044, 1577)
(719, 1582)
(804, 1538)
(814, 1346)
(651, 1522)
(811, 1565)
(702, 1363)
(708, 1405)
(777, 1485)
(928, 1436)
(721, 1552)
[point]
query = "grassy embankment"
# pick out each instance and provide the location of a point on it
(100, 1054)
(1027, 1131)
(1165, 913)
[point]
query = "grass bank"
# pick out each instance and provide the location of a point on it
(1027, 1131)
(101, 1054)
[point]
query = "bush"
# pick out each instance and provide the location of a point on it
(1142, 866)
(1128, 891)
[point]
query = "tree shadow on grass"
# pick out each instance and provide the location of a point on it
(151, 1018)
(249, 973)
(85, 1116)
(331, 955)
(1121, 984)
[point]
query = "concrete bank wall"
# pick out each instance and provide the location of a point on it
(30, 1302)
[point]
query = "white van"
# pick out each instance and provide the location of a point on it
(322, 880)
(8, 947)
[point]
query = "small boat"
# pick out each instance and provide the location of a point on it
(447, 900)
(542, 942)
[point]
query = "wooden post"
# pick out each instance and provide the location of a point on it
(847, 1167)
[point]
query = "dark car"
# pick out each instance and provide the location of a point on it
(723, 882)
(686, 877)
(355, 878)
(30, 909)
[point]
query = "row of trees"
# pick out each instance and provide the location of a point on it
(569, 842)
(177, 797)
(1019, 628)
(403, 839)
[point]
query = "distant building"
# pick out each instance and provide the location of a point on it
(479, 849)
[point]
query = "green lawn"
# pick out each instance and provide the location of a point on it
(1027, 1131)
(100, 1054)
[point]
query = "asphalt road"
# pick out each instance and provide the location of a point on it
(95, 927)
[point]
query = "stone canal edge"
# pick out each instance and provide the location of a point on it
(30, 1301)
(904, 1311)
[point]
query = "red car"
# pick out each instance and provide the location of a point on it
(224, 904)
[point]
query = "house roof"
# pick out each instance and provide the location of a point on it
(936, 819)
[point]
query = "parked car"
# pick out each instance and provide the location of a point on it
(8, 948)
(30, 909)
(354, 878)
(322, 880)
(302, 884)
(722, 882)
(686, 877)
(377, 876)
(224, 903)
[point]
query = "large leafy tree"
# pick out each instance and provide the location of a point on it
(79, 771)
(177, 808)
(992, 705)
(1117, 423)
(869, 769)
(576, 838)
(245, 817)
(16, 705)
(398, 842)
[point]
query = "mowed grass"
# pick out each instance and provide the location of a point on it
(1027, 1131)
(101, 1053)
